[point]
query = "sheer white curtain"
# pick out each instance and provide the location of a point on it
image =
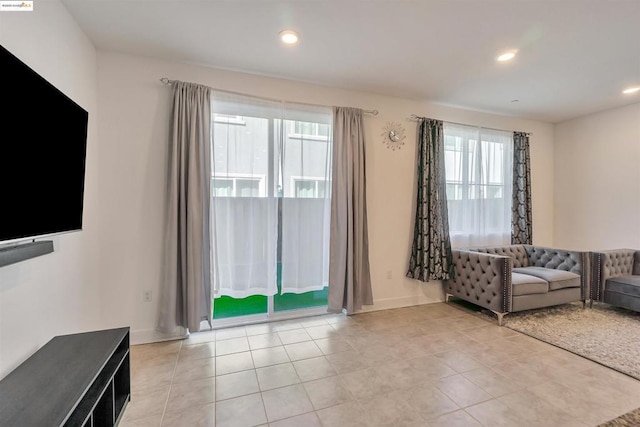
(478, 165)
(244, 210)
(271, 164)
(305, 167)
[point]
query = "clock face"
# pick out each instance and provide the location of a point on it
(394, 135)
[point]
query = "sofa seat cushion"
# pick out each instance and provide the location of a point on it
(627, 285)
(524, 284)
(558, 279)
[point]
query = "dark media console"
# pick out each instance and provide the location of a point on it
(73, 380)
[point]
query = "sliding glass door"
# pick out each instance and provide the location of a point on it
(271, 168)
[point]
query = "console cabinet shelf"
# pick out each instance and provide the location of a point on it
(73, 380)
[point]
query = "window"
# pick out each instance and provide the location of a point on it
(270, 199)
(223, 187)
(478, 166)
(308, 187)
(227, 186)
(308, 130)
(227, 118)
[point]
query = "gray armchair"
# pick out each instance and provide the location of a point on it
(513, 278)
(615, 278)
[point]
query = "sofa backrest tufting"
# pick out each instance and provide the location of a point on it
(555, 258)
(619, 263)
(517, 253)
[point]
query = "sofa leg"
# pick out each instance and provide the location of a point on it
(584, 304)
(500, 317)
(590, 303)
(447, 297)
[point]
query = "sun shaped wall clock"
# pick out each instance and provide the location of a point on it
(393, 135)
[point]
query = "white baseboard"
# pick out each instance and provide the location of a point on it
(389, 303)
(147, 336)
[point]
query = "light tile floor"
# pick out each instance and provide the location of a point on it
(429, 365)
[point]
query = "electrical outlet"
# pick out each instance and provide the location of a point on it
(389, 275)
(146, 296)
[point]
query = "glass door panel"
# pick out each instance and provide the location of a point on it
(291, 301)
(270, 176)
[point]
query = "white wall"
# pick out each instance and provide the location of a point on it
(57, 293)
(133, 129)
(597, 180)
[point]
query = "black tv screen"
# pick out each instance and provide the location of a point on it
(43, 140)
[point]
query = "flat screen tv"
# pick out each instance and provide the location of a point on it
(43, 140)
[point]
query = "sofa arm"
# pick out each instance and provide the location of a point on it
(482, 279)
(612, 263)
(561, 259)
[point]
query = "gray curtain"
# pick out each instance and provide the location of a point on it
(431, 257)
(349, 276)
(186, 297)
(521, 225)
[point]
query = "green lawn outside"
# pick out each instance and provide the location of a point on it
(225, 306)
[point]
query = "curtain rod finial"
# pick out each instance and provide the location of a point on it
(165, 80)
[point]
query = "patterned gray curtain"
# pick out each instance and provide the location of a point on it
(521, 227)
(431, 253)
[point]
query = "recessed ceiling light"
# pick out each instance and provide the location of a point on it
(289, 37)
(630, 90)
(507, 56)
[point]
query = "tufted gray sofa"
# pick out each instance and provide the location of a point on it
(615, 278)
(513, 278)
